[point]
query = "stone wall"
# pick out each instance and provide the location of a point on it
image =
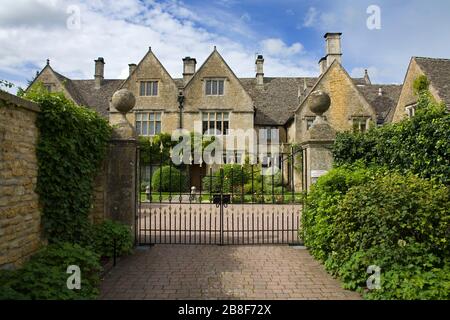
(20, 219)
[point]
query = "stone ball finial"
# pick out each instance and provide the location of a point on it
(123, 100)
(319, 102)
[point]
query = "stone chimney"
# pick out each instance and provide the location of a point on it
(323, 65)
(188, 68)
(259, 70)
(333, 47)
(366, 77)
(132, 67)
(99, 72)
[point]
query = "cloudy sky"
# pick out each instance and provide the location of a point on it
(72, 33)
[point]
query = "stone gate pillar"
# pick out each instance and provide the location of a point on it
(317, 154)
(122, 164)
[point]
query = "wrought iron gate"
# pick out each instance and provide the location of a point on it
(228, 205)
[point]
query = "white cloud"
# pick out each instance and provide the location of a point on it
(311, 17)
(276, 46)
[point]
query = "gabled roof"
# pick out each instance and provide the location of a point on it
(384, 103)
(438, 73)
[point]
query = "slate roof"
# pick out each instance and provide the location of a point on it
(383, 103)
(97, 99)
(438, 73)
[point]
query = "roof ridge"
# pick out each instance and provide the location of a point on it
(430, 58)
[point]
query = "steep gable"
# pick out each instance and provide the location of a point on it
(235, 97)
(151, 69)
(347, 102)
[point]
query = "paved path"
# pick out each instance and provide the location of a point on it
(221, 272)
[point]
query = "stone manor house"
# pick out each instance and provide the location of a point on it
(219, 99)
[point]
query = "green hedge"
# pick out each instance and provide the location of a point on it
(168, 179)
(44, 276)
(420, 145)
(355, 218)
(72, 144)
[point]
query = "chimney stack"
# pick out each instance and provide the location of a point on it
(132, 67)
(188, 68)
(99, 72)
(259, 70)
(323, 65)
(333, 46)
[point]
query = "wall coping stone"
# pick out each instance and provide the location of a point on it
(11, 99)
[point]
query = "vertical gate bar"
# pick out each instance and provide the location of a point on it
(273, 225)
(185, 231)
(165, 226)
(248, 228)
(221, 204)
(278, 225)
(175, 227)
(273, 180)
(282, 226)
(170, 181)
(282, 177)
(253, 188)
(179, 229)
(253, 227)
(257, 227)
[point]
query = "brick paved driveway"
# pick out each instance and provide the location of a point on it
(221, 272)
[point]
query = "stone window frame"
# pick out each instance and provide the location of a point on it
(218, 79)
(48, 86)
(224, 119)
(146, 87)
(306, 119)
(360, 122)
(157, 119)
(410, 110)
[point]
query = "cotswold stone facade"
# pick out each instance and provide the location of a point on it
(247, 103)
(20, 220)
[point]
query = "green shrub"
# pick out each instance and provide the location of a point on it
(72, 144)
(44, 276)
(420, 144)
(104, 235)
(355, 218)
(321, 205)
(167, 179)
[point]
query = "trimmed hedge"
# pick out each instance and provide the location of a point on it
(167, 179)
(355, 218)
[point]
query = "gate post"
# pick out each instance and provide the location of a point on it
(122, 163)
(318, 157)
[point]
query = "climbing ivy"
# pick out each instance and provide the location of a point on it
(72, 144)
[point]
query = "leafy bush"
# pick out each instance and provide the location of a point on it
(72, 144)
(44, 276)
(321, 207)
(167, 179)
(420, 144)
(104, 235)
(399, 222)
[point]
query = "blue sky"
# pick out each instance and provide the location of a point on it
(289, 33)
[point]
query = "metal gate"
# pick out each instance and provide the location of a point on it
(231, 204)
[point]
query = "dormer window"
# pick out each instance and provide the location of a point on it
(214, 87)
(360, 124)
(148, 88)
(411, 110)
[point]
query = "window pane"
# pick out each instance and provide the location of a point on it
(158, 127)
(214, 87)
(138, 128)
(144, 129)
(212, 124)
(145, 116)
(142, 89)
(152, 116)
(149, 86)
(219, 116)
(205, 116)
(208, 87)
(158, 116)
(225, 116)
(155, 88)
(221, 87)
(205, 126)
(138, 116)
(152, 128)
(225, 127)
(219, 126)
